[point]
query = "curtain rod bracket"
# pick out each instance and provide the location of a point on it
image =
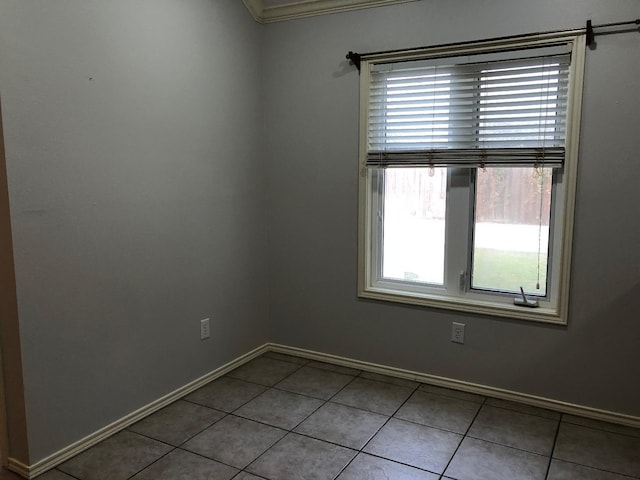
(354, 58)
(590, 34)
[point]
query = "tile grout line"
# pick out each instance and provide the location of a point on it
(56, 469)
(358, 374)
(561, 421)
(244, 469)
(515, 410)
(208, 458)
(226, 414)
(329, 401)
(553, 447)
(157, 459)
(361, 449)
(325, 401)
(493, 442)
(591, 427)
(463, 437)
(173, 448)
(512, 447)
(417, 388)
(622, 475)
(152, 463)
(389, 417)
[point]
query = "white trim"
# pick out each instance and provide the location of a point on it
(255, 8)
(533, 400)
(38, 468)
(555, 308)
(18, 467)
(467, 305)
(571, 170)
(308, 8)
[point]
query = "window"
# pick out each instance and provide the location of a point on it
(468, 172)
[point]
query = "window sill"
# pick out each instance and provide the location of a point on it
(483, 307)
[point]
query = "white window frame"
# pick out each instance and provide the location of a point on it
(554, 307)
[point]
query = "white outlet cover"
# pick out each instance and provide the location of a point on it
(205, 331)
(457, 332)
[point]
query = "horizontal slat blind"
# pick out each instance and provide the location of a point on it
(506, 112)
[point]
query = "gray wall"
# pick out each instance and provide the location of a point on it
(133, 145)
(311, 108)
(141, 187)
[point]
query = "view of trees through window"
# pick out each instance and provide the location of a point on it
(511, 227)
(512, 214)
(414, 224)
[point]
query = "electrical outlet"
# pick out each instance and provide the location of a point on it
(457, 332)
(205, 332)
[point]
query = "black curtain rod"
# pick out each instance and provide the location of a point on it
(356, 58)
(590, 28)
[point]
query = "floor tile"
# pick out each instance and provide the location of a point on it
(521, 407)
(264, 371)
(334, 368)
(177, 423)
(403, 382)
(286, 358)
(346, 426)
(599, 449)
(297, 457)
(181, 465)
(226, 394)
(416, 445)
(378, 397)
(480, 460)
(609, 427)
(448, 392)
(439, 411)
(367, 467)
(515, 429)
(50, 475)
(315, 382)
(570, 471)
(247, 476)
(121, 456)
(234, 441)
(279, 408)
(239, 427)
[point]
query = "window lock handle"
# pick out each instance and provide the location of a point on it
(463, 281)
(523, 301)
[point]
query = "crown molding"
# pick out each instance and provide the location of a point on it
(308, 8)
(255, 8)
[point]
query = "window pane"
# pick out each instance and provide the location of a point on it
(511, 232)
(413, 228)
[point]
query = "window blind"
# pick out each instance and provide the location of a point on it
(506, 112)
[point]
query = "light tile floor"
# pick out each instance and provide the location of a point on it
(280, 417)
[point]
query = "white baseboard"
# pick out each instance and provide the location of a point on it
(18, 467)
(550, 404)
(38, 468)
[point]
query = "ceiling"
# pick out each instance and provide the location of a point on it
(267, 11)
